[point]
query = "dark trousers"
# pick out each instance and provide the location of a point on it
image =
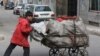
(12, 46)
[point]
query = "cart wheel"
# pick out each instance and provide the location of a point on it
(73, 51)
(83, 52)
(54, 52)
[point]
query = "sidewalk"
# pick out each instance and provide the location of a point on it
(93, 29)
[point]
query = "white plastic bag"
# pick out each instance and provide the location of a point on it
(40, 27)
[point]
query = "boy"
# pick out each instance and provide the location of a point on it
(20, 36)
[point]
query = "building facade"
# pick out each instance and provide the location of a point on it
(4, 2)
(15, 1)
(88, 10)
(94, 12)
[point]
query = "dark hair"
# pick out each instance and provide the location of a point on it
(28, 13)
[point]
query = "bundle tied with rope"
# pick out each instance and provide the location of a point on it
(64, 34)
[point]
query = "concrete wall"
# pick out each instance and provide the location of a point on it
(83, 6)
(87, 15)
(94, 16)
(4, 2)
(33, 1)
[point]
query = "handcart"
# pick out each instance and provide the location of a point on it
(72, 49)
(74, 43)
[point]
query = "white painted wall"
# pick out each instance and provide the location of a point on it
(25, 1)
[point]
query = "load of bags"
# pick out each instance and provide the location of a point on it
(66, 27)
(64, 33)
(65, 41)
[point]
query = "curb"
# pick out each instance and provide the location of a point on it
(93, 30)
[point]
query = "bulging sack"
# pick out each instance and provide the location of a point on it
(55, 27)
(65, 41)
(66, 27)
(63, 28)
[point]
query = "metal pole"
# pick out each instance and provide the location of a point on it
(74, 32)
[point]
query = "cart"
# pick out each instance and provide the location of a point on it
(67, 50)
(75, 43)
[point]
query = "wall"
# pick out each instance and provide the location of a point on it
(91, 17)
(83, 6)
(94, 17)
(5, 1)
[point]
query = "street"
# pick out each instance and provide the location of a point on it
(8, 22)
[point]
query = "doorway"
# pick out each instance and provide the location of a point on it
(72, 8)
(66, 7)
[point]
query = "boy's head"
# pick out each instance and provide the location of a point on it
(29, 15)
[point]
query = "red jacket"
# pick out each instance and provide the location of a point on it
(20, 36)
